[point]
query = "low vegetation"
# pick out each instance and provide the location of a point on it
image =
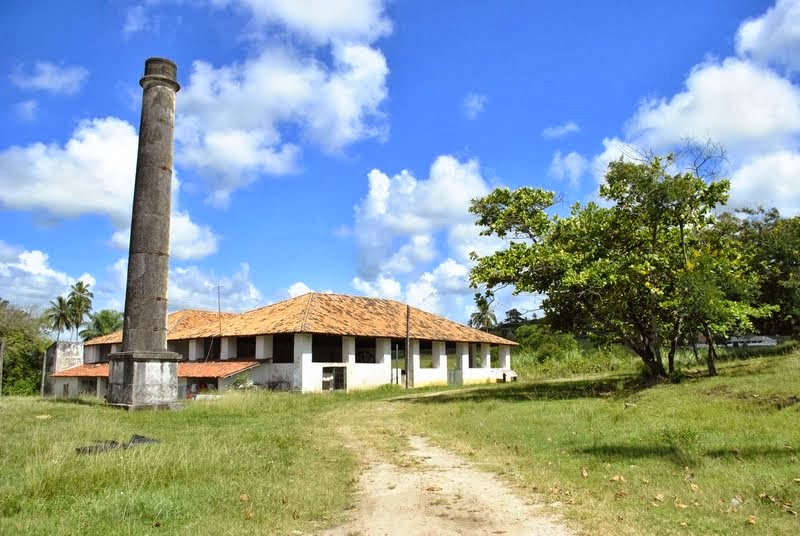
(613, 455)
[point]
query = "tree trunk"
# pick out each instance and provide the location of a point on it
(673, 345)
(655, 366)
(693, 335)
(712, 353)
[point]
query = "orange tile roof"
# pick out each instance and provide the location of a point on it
(214, 369)
(94, 370)
(179, 320)
(339, 314)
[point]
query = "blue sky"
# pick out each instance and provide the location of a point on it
(335, 145)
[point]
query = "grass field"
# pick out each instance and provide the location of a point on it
(698, 457)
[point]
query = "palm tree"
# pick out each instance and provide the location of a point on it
(80, 302)
(102, 323)
(59, 316)
(484, 317)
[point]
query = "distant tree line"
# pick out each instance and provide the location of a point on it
(26, 333)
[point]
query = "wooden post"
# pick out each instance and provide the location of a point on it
(408, 340)
(44, 371)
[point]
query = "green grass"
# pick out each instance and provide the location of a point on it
(250, 463)
(656, 458)
(668, 459)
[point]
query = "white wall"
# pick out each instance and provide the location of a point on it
(59, 383)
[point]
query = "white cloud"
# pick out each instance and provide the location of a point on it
(771, 180)
(773, 37)
(27, 278)
(571, 166)
(735, 102)
(93, 173)
(137, 19)
(474, 103)
(298, 289)
(192, 287)
(27, 110)
(401, 206)
(231, 121)
(419, 249)
(52, 78)
(559, 131)
(381, 287)
(318, 20)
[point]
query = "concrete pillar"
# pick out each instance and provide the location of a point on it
(144, 374)
(227, 349)
(115, 348)
(462, 355)
(413, 362)
(349, 350)
(301, 377)
(264, 347)
(486, 355)
(439, 354)
(196, 350)
(383, 351)
(504, 356)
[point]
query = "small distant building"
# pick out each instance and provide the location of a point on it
(751, 340)
(311, 343)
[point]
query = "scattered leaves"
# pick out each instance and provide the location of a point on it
(433, 488)
(243, 498)
(620, 495)
(659, 497)
(751, 520)
(585, 472)
(694, 486)
(617, 478)
(249, 513)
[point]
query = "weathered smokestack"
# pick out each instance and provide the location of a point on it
(144, 374)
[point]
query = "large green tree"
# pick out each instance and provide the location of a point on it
(102, 322)
(628, 268)
(22, 334)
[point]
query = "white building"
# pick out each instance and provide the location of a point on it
(317, 342)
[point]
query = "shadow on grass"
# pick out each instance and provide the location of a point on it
(79, 401)
(608, 386)
(682, 456)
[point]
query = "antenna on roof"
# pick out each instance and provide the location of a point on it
(219, 310)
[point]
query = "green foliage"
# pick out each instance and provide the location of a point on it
(24, 342)
(545, 343)
(101, 323)
(484, 318)
(80, 303)
(644, 270)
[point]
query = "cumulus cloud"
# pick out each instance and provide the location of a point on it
(232, 117)
(298, 289)
(92, 173)
(138, 19)
(190, 286)
(52, 78)
(27, 277)
(769, 179)
(403, 206)
(773, 37)
(474, 103)
(316, 20)
(382, 287)
(570, 166)
(559, 131)
(734, 102)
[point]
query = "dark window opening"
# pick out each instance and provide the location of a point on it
(179, 347)
(211, 348)
(326, 348)
(246, 347)
(365, 350)
(425, 354)
(283, 348)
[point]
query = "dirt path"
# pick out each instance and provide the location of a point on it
(430, 491)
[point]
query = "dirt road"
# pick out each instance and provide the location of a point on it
(430, 491)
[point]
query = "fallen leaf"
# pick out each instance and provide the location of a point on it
(244, 498)
(620, 495)
(249, 513)
(156, 524)
(43, 417)
(681, 505)
(659, 497)
(797, 480)
(684, 524)
(617, 478)
(751, 520)
(433, 488)
(645, 481)
(654, 504)
(693, 486)
(585, 472)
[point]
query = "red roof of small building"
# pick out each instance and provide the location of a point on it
(214, 369)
